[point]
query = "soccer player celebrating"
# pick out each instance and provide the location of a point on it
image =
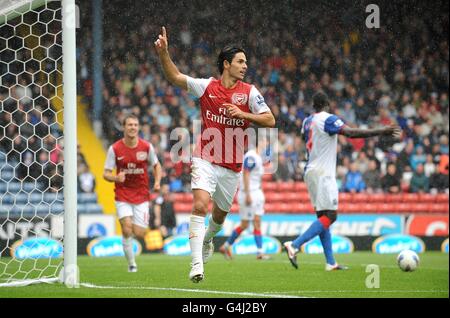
(228, 105)
(251, 201)
(320, 132)
(131, 157)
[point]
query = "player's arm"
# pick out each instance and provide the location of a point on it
(335, 125)
(157, 172)
(171, 71)
(157, 212)
(264, 119)
(110, 177)
(110, 165)
(392, 130)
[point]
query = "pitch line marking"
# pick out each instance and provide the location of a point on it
(205, 291)
(367, 291)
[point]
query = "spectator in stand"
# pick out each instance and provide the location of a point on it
(282, 173)
(362, 162)
(186, 178)
(164, 212)
(348, 113)
(354, 181)
(419, 181)
(439, 181)
(429, 167)
(443, 141)
(362, 112)
(390, 182)
(86, 180)
(175, 183)
(418, 157)
(372, 178)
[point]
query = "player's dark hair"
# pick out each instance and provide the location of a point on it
(128, 117)
(227, 54)
(320, 101)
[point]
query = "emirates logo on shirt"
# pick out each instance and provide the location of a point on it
(239, 99)
(141, 155)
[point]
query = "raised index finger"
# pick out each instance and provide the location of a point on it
(164, 33)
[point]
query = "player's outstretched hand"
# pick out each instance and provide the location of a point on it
(120, 177)
(393, 131)
(161, 44)
(234, 111)
(156, 187)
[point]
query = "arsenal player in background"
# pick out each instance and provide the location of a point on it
(131, 157)
(228, 106)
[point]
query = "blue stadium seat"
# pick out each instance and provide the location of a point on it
(21, 210)
(87, 197)
(28, 210)
(14, 187)
(28, 186)
(93, 208)
(6, 167)
(60, 196)
(5, 209)
(42, 209)
(50, 197)
(6, 175)
(6, 199)
(36, 197)
(81, 208)
(57, 208)
(21, 198)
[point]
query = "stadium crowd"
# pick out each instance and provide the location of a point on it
(31, 144)
(31, 139)
(395, 74)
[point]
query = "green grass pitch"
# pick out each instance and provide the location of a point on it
(162, 276)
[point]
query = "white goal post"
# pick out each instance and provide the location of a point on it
(38, 143)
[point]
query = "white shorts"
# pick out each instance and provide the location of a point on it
(139, 212)
(323, 191)
(248, 212)
(220, 182)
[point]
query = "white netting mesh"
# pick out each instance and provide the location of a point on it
(31, 162)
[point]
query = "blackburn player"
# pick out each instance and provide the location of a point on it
(228, 106)
(131, 157)
(320, 132)
(251, 201)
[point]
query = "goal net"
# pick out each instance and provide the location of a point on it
(31, 142)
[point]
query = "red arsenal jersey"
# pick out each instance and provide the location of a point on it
(223, 138)
(134, 162)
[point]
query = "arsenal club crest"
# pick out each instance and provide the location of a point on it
(141, 155)
(239, 99)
